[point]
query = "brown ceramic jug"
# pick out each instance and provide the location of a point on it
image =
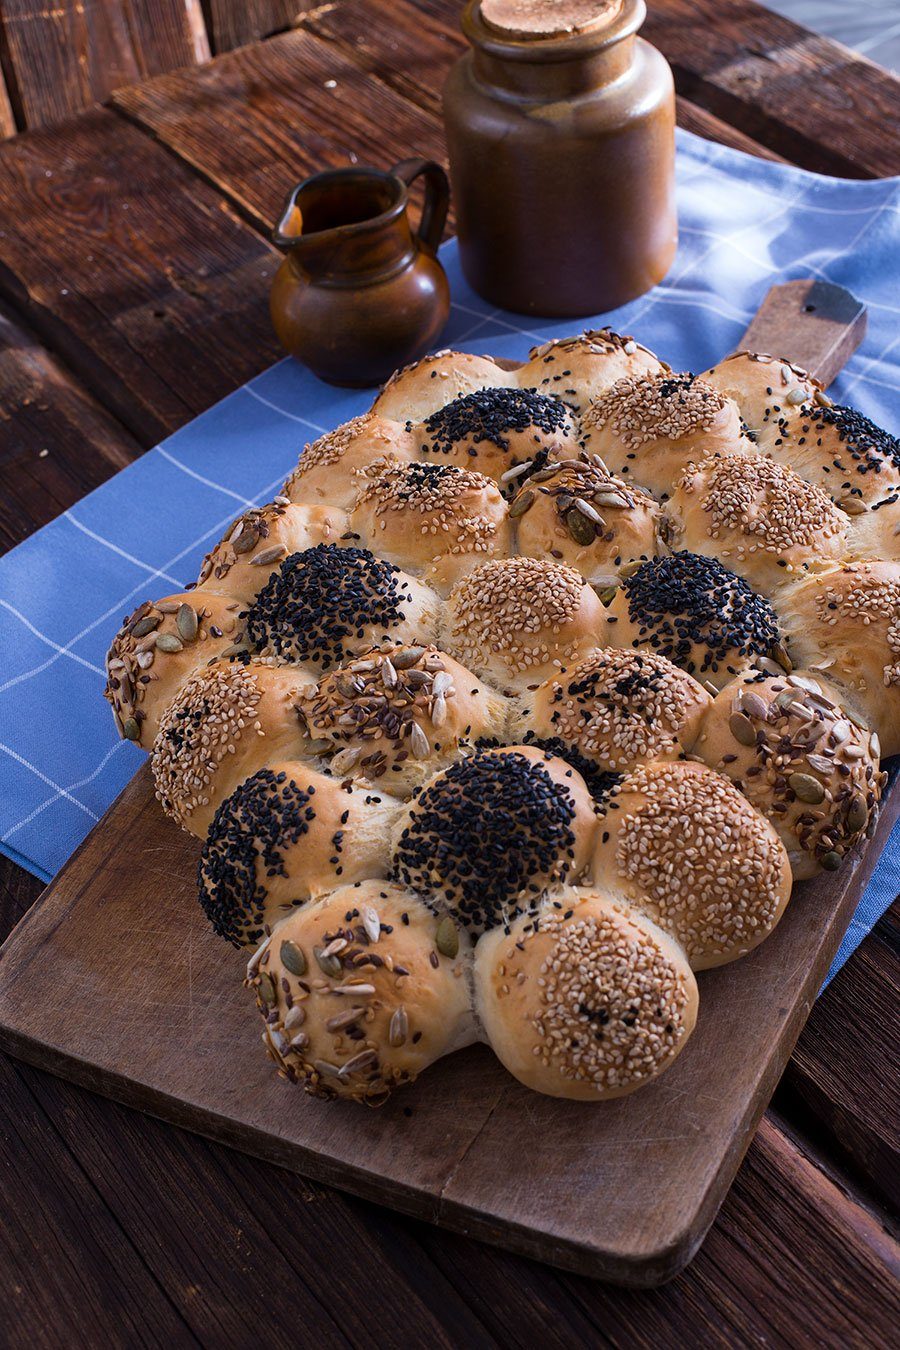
(359, 293)
(561, 132)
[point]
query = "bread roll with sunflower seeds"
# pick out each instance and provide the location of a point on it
(256, 544)
(496, 431)
(763, 387)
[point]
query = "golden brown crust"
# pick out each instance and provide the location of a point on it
(258, 542)
(418, 390)
(329, 470)
(581, 368)
(762, 386)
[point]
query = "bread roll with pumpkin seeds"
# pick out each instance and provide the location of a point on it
(763, 387)
(416, 391)
(257, 543)
(285, 836)
(789, 746)
(580, 369)
(158, 648)
(361, 991)
(588, 999)
(683, 845)
(330, 470)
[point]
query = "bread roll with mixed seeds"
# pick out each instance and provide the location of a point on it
(256, 544)
(842, 452)
(330, 469)
(498, 430)
(763, 387)
(579, 369)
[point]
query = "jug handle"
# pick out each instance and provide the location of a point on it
(437, 197)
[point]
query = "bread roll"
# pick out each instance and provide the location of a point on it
(435, 520)
(842, 452)
(328, 603)
(846, 622)
(649, 429)
(618, 708)
(589, 1000)
(789, 746)
(358, 994)
(516, 621)
(577, 513)
(695, 612)
(329, 470)
(398, 713)
(418, 390)
(757, 517)
(285, 836)
(495, 430)
(489, 834)
(579, 369)
(256, 544)
(763, 387)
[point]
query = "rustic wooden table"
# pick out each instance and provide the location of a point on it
(133, 275)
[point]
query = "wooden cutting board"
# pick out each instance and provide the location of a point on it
(115, 980)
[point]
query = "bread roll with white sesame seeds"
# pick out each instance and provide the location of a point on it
(256, 544)
(488, 835)
(763, 387)
(757, 517)
(579, 514)
(497, 431)
(682, 844)
(416, 391)
(579, 369)
(361, 991)
(158, 648)
(396, 714)
(847, 622)
(648, 430)
(285, 836)
(844, 453)
(225, 721)
(517, 621)
(329, 470)
(590, 1001)
(789, 746)
(616, 708)
(435, 520)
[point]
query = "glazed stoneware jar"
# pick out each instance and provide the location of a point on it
(561, 133)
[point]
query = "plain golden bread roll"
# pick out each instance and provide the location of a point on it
(682, 844)
(577, 513)
(649, 429)
(496, 430)
(516, 621)
(285, 836)
(328, 603)
(434, 520)
(329, 470)
(618, 708)
(579, 369)
(158, 647)
(225, 721)
(589, 1000)
(361, 991)
(416, 391)
(259, 541)
(763, 387)
(843, 452)
(697, 613)
(396, 714)
(757, 517)
(846, 622)
(488, 835)
(786, 742)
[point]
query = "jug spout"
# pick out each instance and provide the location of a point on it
(343, 223)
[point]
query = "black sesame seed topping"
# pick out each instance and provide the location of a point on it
(868, 444)
(490, 414)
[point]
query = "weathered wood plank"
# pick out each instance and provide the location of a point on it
(153, 291)
(233, 23)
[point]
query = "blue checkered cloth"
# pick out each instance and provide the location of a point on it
(745, 224)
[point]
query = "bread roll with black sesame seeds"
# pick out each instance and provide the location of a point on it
(330, 469)
(577, 513)
(225, 721)
(416, 391)
(394, 715)
(697, 613)
(285, 836)
(682, 844)
(757, 517)
(517, 621)
(617, 708)
(361, 991)
(847, 622)
(762, 386)
(789, 746)
(844, 453)
(257, 543)
(876, 533)
(327, 603)
(158, 648)
(589, 1001)
(498, 430)
(487, 836)
(437, 521)
(648, 430)
(579, 369)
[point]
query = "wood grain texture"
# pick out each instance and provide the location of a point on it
(233, 23)
(59, 59)
(152, 290)
(820, 324)
(154, 1015)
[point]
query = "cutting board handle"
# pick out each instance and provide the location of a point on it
(815, 324)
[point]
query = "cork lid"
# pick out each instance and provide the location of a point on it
(547, 18)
